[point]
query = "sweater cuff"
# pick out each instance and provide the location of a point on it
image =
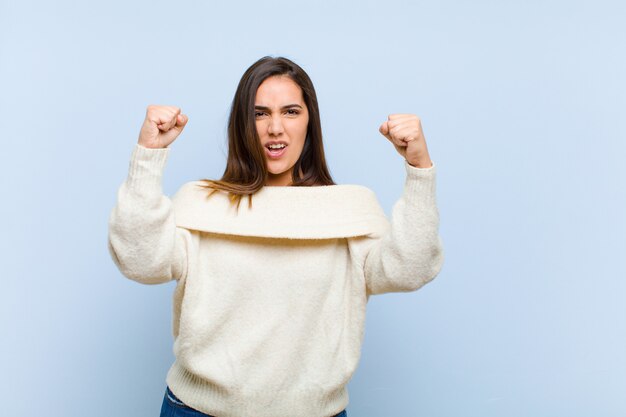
(146, 166)
(419, 186)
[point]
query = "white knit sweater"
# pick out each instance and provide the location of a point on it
(269, 304)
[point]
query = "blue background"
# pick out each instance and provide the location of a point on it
(522, 105)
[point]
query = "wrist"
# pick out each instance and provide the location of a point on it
(150, 145)
(420, 163)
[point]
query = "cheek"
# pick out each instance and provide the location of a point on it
(259, 127)
(302, 128)
(297, 132)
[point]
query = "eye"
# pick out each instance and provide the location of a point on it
(293, 111)
(258, 114)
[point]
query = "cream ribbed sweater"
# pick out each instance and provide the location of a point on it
(269, 304)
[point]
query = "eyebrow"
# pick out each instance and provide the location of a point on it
(284, 107)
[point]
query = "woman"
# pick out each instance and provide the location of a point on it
(270, 298)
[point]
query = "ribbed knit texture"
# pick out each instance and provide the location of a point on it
(269, 305)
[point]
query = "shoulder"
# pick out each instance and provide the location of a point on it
(360, 195)
(192, 189)
(195, 194)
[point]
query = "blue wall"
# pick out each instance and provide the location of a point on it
(522, 105)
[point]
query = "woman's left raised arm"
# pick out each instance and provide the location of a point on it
(410, 253)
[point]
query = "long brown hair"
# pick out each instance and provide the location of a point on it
(246, 170)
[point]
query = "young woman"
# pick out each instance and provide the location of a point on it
(270, 297)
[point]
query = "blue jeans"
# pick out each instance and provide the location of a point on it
(174, 407)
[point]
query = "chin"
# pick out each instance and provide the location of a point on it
(277, 170)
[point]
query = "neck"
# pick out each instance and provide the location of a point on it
(283, 179)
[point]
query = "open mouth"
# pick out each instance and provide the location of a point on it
(275, 151)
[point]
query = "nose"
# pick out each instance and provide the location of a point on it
(276, 126)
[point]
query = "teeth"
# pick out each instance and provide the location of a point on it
(278, 146)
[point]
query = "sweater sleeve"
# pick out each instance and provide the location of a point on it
(410, 253)
(143, 240)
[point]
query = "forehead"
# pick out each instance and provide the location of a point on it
(278, 88)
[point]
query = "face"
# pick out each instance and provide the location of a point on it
(281, 118)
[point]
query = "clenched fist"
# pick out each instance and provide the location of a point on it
(162, 126)
(405, 132)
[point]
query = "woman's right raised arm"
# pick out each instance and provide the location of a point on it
(143, 240)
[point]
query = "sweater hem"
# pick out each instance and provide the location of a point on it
(210, 398)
